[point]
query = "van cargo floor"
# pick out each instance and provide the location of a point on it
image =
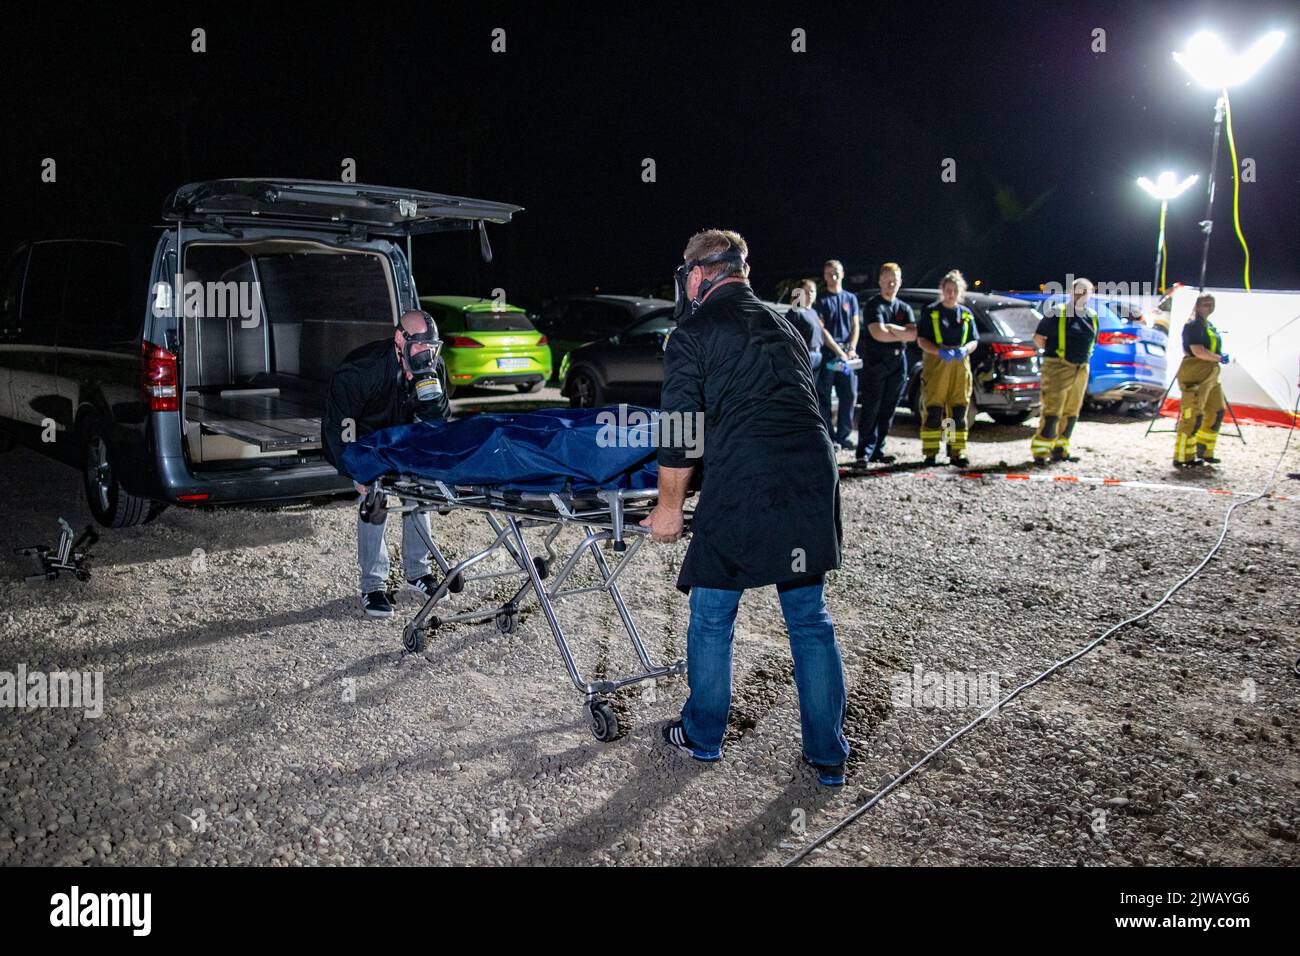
(261, 417)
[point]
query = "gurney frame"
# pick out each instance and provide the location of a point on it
(602, 515)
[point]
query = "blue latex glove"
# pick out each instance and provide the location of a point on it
(952, 355)
(1223, 359)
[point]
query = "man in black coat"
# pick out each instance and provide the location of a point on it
(768, 511)
(390, 382)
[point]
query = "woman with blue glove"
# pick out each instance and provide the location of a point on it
(1202, 405)
(946, 334)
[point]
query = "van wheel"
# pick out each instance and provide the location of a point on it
(584, 390)
(111, 504)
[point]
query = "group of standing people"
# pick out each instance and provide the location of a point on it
(839, 333)
(878, 335)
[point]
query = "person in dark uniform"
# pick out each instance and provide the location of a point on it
(947, 336)
(390, 382)
(1202, 404)
(806, 322)
(889, 325)
(769, 506)
(842, 322)
(1066, 335)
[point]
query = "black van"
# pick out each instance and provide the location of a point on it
(205, 384)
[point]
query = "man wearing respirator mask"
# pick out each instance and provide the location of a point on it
(390, 382)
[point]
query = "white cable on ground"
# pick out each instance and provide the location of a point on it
(1064, 662)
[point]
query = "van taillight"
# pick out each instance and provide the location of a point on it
(158, 376)
(1116, 338)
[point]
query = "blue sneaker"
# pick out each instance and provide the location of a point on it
(675, 736)
(828, 775)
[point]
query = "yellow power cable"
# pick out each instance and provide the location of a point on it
(1236, 187)
(1164, 250)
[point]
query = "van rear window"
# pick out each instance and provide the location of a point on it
(325, 287)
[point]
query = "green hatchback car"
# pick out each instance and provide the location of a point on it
(488, 343)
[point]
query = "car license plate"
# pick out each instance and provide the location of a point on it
(504, 363)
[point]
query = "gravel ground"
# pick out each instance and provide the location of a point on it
(253, 716)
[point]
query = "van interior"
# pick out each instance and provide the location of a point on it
(266, 324)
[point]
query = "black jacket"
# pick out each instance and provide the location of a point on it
(370, 388)
(769, 505)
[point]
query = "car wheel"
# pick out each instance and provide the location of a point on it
(530, 387)
(584, 390)
(110, 504)
(1010, 418)
(914, 401)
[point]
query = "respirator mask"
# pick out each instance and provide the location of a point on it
(683, 304)
(419, 356)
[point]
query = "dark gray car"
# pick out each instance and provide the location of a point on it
(220, 400)
(624, 360)
(626, 365)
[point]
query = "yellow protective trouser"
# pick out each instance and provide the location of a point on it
(1200, 410)
(1064, 385)
(945, 396)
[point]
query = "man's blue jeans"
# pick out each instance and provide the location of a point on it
(818, 670)
(845, 385)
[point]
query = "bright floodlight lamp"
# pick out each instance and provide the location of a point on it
(1212, 65)
(1215, 67)
(1165, 188)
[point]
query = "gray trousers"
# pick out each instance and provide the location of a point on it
(372, 552)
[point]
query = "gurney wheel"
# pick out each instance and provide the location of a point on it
(455, 585)
(507, 621)
(543, 569)
(415, 639)
(604, 722)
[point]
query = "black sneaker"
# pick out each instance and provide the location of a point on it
(426, 585)
(828, 775)
(1209, 460)
(928, 460)
(1064, 457)
(859, 464)
(884, 459)
(675, 736)
(960, 461)
(377, 604)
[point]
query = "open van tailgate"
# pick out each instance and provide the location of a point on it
(381, 210)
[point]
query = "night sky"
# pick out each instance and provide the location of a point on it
(836, 152)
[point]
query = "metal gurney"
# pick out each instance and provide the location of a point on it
(545, 566)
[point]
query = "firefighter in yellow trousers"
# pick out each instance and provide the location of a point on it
(1066, 335)
(946, 333)
(1202, 406)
